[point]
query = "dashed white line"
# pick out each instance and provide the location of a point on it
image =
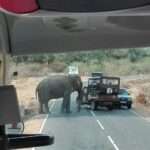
(43, 124)
(99, 123)
(113, 143)
(93, 114)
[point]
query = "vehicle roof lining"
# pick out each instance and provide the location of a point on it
(42, 31)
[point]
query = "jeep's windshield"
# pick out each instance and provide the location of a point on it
(123, 91)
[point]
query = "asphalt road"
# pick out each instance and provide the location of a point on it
(98, 130)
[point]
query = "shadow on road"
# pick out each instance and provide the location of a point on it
(123, 112)
(86, 112)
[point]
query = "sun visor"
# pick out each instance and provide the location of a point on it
(90, 5)
(19, 6)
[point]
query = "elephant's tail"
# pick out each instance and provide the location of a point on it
(36, 93)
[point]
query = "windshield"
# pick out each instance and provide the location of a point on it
(110, 81)
(52, 102)
(123, 91)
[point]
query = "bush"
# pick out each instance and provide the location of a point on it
(136, 54)
(34, 58)
(58, 66)
(119, 54)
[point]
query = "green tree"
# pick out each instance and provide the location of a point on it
(135, 54)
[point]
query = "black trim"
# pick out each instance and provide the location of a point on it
(90, 5)
(28, 140)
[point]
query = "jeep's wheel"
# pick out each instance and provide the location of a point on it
(110, 107)
(93, 105)
(129, 106)
(119, 106)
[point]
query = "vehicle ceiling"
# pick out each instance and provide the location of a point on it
(56, 27)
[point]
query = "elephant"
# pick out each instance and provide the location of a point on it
(59, 86)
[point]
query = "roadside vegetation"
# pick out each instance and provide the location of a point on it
(126, 63)
(120, 62)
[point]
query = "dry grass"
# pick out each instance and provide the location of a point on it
(26, 92)
(140, 90)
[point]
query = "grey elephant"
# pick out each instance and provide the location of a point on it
(59, 86)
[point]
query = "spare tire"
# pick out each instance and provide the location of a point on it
(90, 5)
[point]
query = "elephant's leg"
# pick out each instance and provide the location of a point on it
(78, 101)
(41, 108)
(68, 105)
(67, 102)
(63, 105)
(46, 108)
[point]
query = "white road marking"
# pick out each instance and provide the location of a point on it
(112, 142)
(44, 121)
(43, 124)
(99, 123)
(102, 127)
(93, 114)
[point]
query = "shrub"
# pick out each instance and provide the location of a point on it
(57, 66)
(136, 54)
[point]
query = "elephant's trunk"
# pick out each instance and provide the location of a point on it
(80, 95)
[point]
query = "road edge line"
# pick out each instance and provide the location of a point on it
(44, 121)
(138, 115)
